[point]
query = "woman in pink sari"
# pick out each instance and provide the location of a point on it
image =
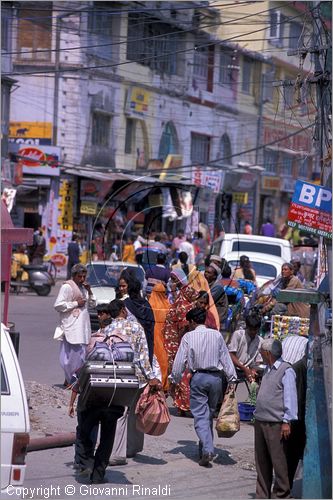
(175, 327)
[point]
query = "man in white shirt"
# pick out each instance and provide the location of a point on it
(204, 353)
(244, 347)
(74, 298)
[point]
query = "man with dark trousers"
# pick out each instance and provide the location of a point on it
(276, 408)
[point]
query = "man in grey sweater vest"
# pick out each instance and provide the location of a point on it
(275, 409)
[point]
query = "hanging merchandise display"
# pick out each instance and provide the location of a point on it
(282, 326)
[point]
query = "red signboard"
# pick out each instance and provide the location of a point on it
(310, 219)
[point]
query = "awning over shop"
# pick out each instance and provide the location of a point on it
(121, 176)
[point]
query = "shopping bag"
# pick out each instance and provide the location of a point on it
(58, 333)
(152, 413)
(228, 423)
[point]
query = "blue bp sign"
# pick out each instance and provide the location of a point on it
(313, 196)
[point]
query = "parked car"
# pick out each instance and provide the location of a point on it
(15, 423)
(267, 267)
(243, 244)
(103, 277)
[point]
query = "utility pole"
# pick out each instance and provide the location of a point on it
(317, 460)
(257, 190)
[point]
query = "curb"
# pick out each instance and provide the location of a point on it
(53, 441)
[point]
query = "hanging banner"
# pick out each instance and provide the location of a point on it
(212, 180)
(311, 209)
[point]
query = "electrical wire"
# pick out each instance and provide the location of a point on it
(148, 58)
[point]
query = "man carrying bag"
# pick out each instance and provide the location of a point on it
(204, 352)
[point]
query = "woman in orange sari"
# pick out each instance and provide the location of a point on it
(175, 327)
(160, 306)
(198, 281)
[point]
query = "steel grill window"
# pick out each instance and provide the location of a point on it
(270, 161)
(286, 165)
(226, 61)
(200, 146)
(100, 129)
(144, 47)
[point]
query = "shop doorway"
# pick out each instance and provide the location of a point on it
(33, 220)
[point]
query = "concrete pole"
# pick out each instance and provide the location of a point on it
(257, 189)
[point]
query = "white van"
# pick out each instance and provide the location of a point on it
(244, 243)
(15, 424)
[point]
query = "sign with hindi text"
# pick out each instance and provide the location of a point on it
(311, 209)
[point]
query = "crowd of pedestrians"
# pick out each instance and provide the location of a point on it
(174, 324)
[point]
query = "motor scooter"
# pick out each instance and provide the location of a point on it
(40, 280)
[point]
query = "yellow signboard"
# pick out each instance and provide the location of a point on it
(240, 198)
(65, 205)
(172, 161)
(30, 130)
(88, 207)
(138, 101)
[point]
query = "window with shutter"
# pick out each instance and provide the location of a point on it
(225, 151)
(100, 33)
(34, 33)
(101, 126)
(295, 36)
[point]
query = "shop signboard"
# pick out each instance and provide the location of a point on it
(311, 209)
(43, 160)
(31, 133)
(88, 208)
(137, 103)
(271, 183)
(65, 206)
(240, 198)
(211, 180)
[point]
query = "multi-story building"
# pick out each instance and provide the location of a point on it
(112, 89)
(281, 114)
(123, 87)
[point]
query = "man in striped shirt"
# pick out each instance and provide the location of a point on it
(204, 353)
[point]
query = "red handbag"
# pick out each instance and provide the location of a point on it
(152, 413)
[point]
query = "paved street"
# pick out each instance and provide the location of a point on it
(169, 461)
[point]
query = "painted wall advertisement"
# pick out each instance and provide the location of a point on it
(31, 133)
(311, 209)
